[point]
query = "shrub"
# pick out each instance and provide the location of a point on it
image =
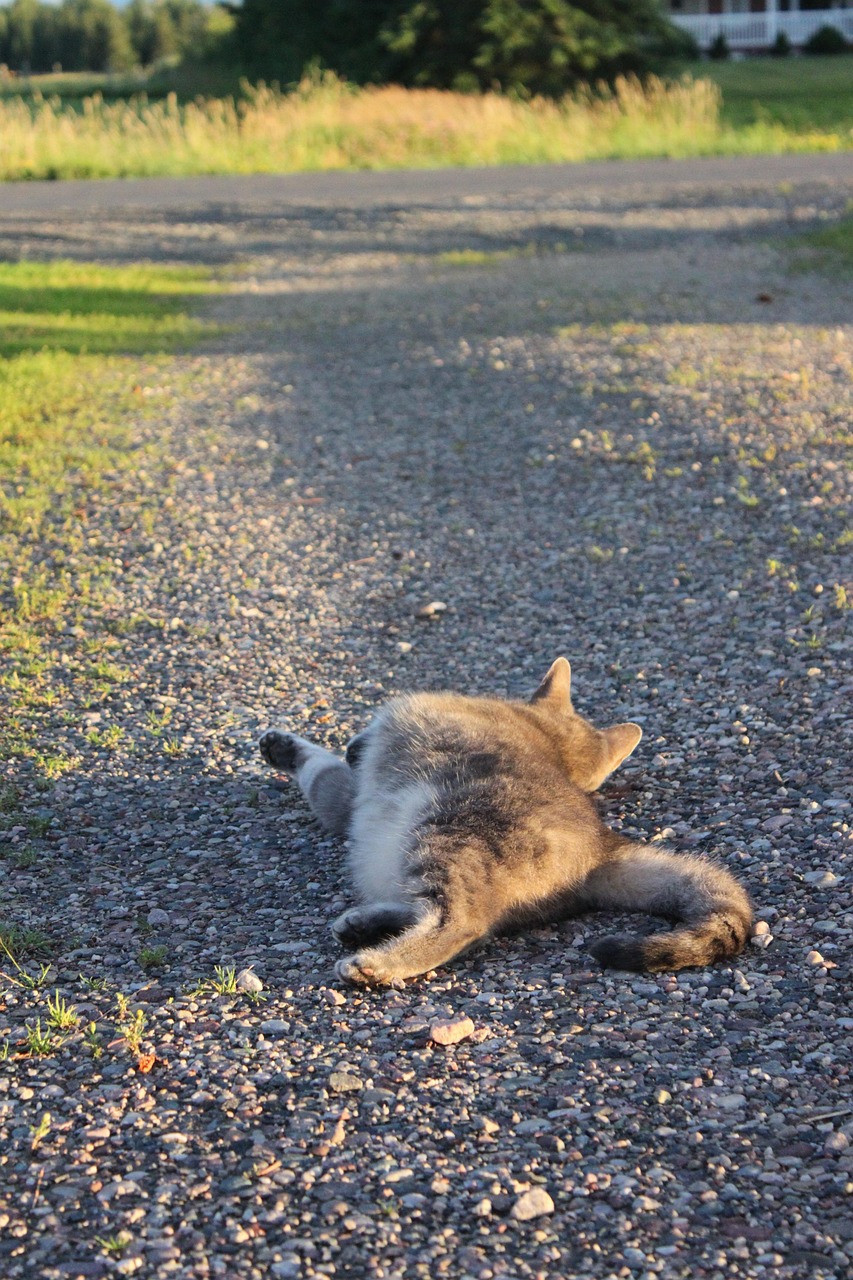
(719, 49)
(781, 46)
(826, 39)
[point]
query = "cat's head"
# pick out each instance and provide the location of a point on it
(590, 755)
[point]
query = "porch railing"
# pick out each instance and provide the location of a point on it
(759, 30)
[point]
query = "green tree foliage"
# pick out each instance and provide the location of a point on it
(95, 35)
(527, 46)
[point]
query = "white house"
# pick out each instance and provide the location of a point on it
(754, 24)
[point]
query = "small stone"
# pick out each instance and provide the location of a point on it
(483, 1208)
(729, 1101)
(345, 1082)
(836, 1143)
(814, 958)
(275, 1027)
(431, 610)
(662, 1096)
(451, 1032)
(823, 879)
(157, 916)
(248, 980)
(532, 1204)
(759, 928)
(487, 1125)
(404, 646)
(336, 998)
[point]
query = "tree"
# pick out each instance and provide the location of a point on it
(93, 37)
(529, 46)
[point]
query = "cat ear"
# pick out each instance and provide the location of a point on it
(557, 685)
(620, 740)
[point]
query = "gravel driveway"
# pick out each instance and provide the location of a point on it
(609, 423)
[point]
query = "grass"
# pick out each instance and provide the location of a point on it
(800, 94)
(78, 345)
(831, 247)
(325, 124)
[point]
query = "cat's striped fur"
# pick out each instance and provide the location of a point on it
(469, 816)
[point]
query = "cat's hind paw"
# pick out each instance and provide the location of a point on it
(281, 750)
(620, 952)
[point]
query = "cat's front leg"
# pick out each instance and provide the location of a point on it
(326, 781)
(370, 924)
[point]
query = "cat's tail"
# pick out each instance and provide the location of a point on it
(713, 912)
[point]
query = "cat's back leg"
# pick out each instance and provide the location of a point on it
(327, 782)
(430, 940)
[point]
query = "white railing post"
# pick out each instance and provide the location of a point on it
(772, 21)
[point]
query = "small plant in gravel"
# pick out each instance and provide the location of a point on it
(152, 957)
(60, 1014)
(114, 1246)
(130, 1026)
(92, 1040)
(92, 984)
(19, 942)
(105, 739)
(25, 857)
(172, 747)
(10, 800)
(39, 1132)
(156, 723)
(224, 981)
(39, 1041)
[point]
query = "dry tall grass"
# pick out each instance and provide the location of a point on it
(326, 124)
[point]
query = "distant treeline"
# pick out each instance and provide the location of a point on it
(94, 35)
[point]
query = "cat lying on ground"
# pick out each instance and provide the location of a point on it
(471, 816)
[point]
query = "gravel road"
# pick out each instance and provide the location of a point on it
(608, 422)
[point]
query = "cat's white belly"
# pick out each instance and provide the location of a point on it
(382, 823)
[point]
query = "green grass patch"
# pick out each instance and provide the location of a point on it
(80, 344)
(830, 247)
(801, 95)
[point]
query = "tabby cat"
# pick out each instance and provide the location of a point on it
(469, 816)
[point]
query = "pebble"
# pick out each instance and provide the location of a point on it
(431, 610)
(451, 1031)
(532, 1204)
(248, 980)
(158, 916)
(345, 1082)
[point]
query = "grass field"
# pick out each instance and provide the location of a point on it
(760, 106)
(81, 344)
(800, 94)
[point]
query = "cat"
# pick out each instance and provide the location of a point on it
(468, 816)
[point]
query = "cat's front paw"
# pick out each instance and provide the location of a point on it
(351, 971)
(349, 930)
(281, 750)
